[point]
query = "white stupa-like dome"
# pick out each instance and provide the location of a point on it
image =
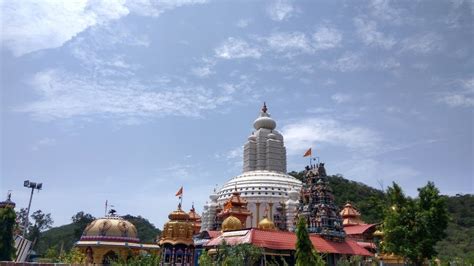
(264, 182)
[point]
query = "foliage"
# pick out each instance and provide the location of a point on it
(242, 254)
(73, 256)
(458, 246)
(349, 261)
(7, 225)
(80, 221)
(412, 227)
(205, 259)
(146, 231)
(142, 259)
(42, 222)
(305, 253)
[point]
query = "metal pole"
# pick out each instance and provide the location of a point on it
(25, 226)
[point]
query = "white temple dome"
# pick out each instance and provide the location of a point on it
(264, 183)
(264, 122)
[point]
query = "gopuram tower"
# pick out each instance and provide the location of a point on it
(264, 183)
(317, 205)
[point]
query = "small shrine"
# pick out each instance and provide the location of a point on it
(235, 206)
(195, 218)
(318, 207)
(112, 239)
(177, 239)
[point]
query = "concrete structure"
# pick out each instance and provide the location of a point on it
(264, 183)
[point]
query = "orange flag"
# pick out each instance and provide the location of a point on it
(180, 192)
(307, 153)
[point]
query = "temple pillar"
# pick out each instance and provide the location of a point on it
(257, 206)
(270, 205)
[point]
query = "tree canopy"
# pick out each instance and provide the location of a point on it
(7, 225)
(412, 227)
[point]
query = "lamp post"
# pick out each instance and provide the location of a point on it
(33, 186)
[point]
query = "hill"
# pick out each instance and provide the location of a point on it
(66, 235)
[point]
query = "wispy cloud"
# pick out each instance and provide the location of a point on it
(281, 10)
(205, 69)
(66, 95)
(326, 37)
(236, 48)
(383, 10)
(460, 94)
(243, 23)
(341, 98)
(44, 142)
(367, 31)
(29, 26)
(423, 43)
(304, 133)
(346, 63)
(291, 42)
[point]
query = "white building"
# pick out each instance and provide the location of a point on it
(264, 182)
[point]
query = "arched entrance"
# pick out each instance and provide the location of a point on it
(109, 257)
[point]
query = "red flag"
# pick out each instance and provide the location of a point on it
(307, 153)
(180, 192)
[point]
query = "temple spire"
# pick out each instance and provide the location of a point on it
(264, 108)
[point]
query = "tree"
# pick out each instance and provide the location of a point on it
(242, 254)
(42, 222)
(81, 220)
(7, 225)
(305, 253)
(205, 259)
(412, 227)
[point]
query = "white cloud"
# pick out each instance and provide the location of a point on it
(304, 133)
(381, 9)
(346, 63)
(281, 10)
(66, 95)
(206, 69)
(367, 31)
(326, 38)
(44, 142)
(291, 42)
(236, 48)
(459, 97)
(157, 7)
(30, 26)
(243, 23)
(341, 98)
(423, 43)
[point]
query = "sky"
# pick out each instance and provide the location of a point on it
(126, 101)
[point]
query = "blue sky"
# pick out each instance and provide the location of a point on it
(126, 101)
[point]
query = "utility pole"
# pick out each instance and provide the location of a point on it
(33, 186)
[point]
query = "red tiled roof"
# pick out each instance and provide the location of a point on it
(366, 245)
(278, 240)
(357, 229)
(214, 234)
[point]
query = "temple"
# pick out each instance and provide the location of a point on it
(264, 183)
(110, 239)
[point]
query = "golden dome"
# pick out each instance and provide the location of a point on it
(179, 230)
(266, 224)
(231, 223)
(378, 233)
(111, 228)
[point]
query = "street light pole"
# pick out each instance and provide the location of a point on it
(33, 186)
